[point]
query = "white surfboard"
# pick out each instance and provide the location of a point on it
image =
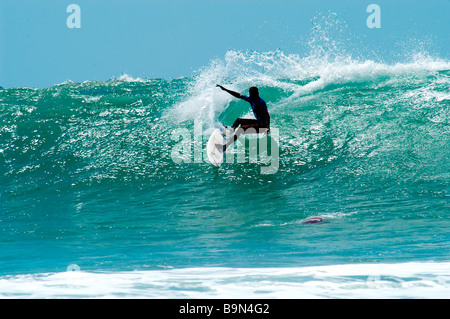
(215, 147)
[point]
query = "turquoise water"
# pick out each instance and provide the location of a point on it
(89, 178)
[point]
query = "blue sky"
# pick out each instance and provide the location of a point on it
(174, 38)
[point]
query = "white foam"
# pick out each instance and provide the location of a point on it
(128, 78)
(400, 280)
(240, 70)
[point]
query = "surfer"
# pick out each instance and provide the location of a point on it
(261, 123)
(223, 137)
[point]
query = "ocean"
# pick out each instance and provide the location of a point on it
(106, 190)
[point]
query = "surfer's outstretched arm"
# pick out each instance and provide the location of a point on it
(235, 94)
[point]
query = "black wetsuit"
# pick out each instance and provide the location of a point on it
(259, 109)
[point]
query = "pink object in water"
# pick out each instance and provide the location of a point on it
(312, 220)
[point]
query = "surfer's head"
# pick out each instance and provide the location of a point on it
(253, 92)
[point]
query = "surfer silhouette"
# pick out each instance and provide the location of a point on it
(261, 123)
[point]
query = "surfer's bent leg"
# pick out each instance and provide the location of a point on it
(244, 122)
(242, 125)
(247, 126)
